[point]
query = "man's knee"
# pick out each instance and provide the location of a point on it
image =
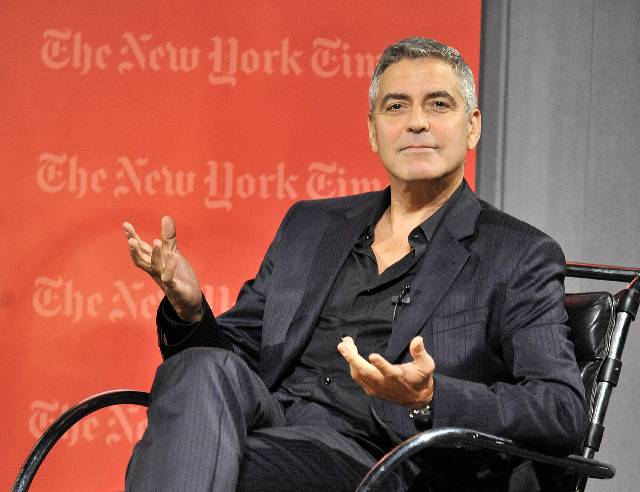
(196, 358)
(218, 380)
(195, 366)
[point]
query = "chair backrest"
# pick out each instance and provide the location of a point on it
(591, 319)
(599, 325)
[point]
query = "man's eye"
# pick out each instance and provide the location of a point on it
(440, 105)
(394, 107)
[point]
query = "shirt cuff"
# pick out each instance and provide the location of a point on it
(172, 329)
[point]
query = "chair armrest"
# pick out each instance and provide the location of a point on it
(63, 423)
(458, 437)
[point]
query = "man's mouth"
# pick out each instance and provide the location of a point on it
(417, 148)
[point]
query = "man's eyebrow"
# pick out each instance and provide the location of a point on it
(445, 94)
(400, 96)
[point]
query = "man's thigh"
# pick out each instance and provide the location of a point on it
(302, 459)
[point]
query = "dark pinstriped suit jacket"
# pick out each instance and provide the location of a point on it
(488, 301)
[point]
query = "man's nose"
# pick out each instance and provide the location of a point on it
(418, 121)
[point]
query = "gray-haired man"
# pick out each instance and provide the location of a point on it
(369, 315)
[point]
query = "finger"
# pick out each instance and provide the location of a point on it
(420, 355)
(350, 343)
(134, 241)
(136, 253)
(387, 369)
(129, 231)
(140, 253)
(349, 351)
(361, 369)
(168, 234)
(157, 265)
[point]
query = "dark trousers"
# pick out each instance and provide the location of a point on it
(214, 426)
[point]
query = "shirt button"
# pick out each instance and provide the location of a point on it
(327, 380)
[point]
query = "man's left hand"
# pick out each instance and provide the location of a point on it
(409, 384)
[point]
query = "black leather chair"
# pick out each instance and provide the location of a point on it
(599, 325)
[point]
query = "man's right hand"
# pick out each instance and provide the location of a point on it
(168, 268)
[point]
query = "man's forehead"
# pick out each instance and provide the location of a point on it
(430, 75)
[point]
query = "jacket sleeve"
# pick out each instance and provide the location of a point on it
(238, 329)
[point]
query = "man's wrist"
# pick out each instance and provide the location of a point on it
(185, 313)
(191, 315)
(425, 398)
(422, 414)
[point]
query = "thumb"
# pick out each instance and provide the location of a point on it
(168, 233)
(420, 355)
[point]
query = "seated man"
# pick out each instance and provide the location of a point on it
(370, 316)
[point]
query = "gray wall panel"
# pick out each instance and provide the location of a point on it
(614, 148)
(547, 129)
(560, 89)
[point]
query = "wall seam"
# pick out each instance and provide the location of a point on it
(504, 41)
(586, 182)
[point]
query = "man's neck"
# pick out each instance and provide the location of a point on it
(413, 203)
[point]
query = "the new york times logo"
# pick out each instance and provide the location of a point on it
(224, 60)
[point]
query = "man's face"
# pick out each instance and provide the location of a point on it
(419, 126)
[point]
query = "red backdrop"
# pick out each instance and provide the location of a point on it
(219, 113)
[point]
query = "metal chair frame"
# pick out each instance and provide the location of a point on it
(607, 379)
(63, 423)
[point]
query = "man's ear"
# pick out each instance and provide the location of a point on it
(373, 141)
(475, 128)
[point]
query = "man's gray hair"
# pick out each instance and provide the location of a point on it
(415, 48)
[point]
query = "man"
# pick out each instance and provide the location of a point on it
(370, 315)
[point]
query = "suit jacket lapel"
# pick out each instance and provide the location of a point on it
(443, 261)
(440, 267)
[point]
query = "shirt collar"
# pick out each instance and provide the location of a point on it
(425, 230)
(430, 225)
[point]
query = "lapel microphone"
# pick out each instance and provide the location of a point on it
(403, 298)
